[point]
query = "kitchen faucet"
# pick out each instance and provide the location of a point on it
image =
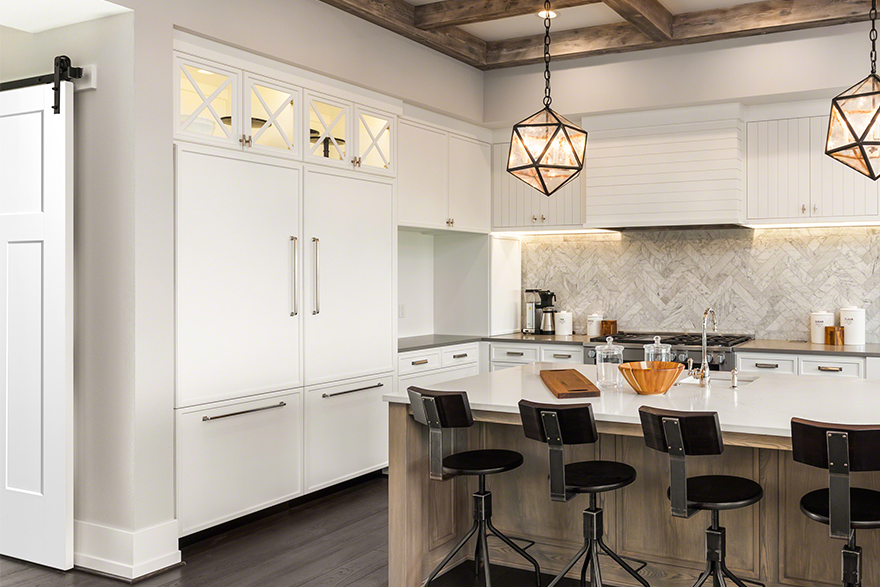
(704, 366)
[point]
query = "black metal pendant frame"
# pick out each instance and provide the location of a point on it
(562, 126)
(860, 143)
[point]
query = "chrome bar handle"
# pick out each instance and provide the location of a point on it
(243, 412)
(326, 395)
(831, 369)
(294, 242)
(561, 356)
(767, 365)
(317, 309)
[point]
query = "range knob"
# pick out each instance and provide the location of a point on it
(709, 358)
(682, 357)
(591, 354)
(719, 358)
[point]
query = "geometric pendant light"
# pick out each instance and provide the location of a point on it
(546, 150)
(854, 127)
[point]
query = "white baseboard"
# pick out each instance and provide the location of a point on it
(124, 554)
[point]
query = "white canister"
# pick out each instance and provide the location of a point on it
(594, 325)
(818, 322)
(853, 322)
(563, 324)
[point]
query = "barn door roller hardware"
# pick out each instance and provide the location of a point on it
(64, 72)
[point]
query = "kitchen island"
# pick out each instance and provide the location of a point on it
(771, 542)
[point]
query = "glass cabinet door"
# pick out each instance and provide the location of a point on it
(375, 141)
(328, 130)
(207, 102)
(273, 110)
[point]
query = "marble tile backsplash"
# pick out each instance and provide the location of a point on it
(761, 282)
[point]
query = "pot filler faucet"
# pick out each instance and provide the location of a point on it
(704, 366)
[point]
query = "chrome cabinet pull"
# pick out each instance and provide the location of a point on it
(326, 395)
(766, 365)
(422, 362)
(561, 356)
(317, 309)
(461, 356)
(831, 369)
(294, 242)
(513, 354)
(243, 412)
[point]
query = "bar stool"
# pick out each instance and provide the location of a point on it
(683, 434)
(840, 449)
(441, 410)
(558, 425)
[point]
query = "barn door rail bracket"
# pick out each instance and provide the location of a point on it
(64, 72)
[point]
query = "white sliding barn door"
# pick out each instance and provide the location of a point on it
(36, 326)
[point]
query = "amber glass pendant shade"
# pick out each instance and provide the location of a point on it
(546, 151)
(854, 127)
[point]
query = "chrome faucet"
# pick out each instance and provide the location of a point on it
(704, 366)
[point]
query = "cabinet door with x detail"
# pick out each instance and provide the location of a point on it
(375, 141)
(271, 122)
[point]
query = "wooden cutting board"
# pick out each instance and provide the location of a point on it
(568, 383)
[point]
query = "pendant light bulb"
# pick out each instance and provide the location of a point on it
(546, 150)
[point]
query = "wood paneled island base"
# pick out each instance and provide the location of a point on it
(772, 542)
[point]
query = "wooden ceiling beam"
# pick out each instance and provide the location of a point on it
(399, 16)
(649, 16)
(757, 18)
(457, 12)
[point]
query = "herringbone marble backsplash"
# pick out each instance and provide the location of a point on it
(762, 282)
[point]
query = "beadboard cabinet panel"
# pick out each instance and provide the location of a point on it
(666, 175)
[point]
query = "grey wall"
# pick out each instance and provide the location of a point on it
(762, 282)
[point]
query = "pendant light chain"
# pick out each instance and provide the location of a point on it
(873, 16)
(547, 98)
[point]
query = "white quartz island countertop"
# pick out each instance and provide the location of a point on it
(762, 405)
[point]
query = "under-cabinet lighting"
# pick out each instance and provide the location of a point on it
(573, 231)
(814, 225)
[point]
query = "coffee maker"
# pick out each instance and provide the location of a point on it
(539, 300)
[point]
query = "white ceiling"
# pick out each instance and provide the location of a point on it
(36, 16)
(572, 18)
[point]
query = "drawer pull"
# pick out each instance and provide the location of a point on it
(831, 369)
(243, 412)
(326, 395)
(422, 362)
(766, 366)
(460, 356)
(514, 354)
(561, 356)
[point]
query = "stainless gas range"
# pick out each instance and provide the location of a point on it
(719, 349)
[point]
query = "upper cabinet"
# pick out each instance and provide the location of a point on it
(517, 206)
(792, 181)
(238, 109)
(444, 180)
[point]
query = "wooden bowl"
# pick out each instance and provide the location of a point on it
(651, 378)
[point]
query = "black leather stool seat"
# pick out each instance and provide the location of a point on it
(722, 492)
(864, 507)
(597, 476)
(482, 462)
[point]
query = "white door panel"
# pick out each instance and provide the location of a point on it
(348, 275)
(238, 312)
(36, 326)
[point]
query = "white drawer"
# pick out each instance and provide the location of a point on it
(502, 366)
(832, 366)
(766, 363)
(237, 457)
(428, 380)
(562, 354)
(460, 355)
(515, 353)
(346, 431)
(416, 361)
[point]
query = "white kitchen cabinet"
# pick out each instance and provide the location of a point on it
(445, 180)
(454, 356)
(792, 181)
(418, 361)
(562, 354)
(346, 430)
(518, 206)
(348, 260)
(515, 352)
(872, 368)
(207, 102)
(767, 363)
(271, 117)
(238, 252)
(455, 362)
(436, 377)
(237, 457)
(825, 365)
(508, 354)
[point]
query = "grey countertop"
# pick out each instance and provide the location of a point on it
(806, 348)
(428, 341)
(540, 338)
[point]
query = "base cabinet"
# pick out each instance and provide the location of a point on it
(346, 431)
(790, 364)
(237, 457)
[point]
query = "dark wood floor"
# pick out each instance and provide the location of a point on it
(337, 541)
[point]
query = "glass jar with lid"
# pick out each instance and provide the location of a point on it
(658, 351)
(608, 358)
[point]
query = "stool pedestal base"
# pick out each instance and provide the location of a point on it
(716, 550)
(852, 563)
